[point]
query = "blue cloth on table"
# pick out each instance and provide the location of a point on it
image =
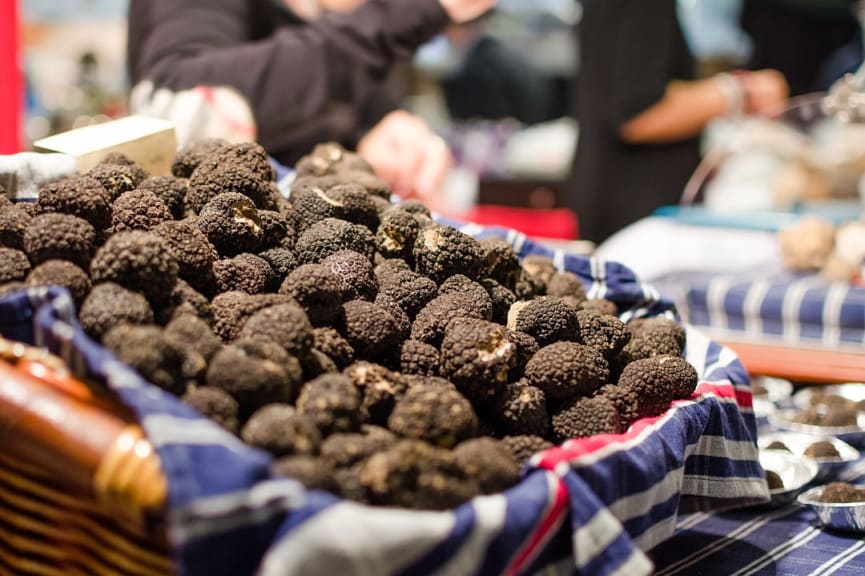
(593, 504)
(782, 307)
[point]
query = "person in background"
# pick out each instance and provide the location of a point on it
(640, 111)
(292, 74)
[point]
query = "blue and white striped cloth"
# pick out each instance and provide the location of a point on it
(591, 505)
(781, 307)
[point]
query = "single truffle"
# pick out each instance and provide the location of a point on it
(282, 431)
(218, 175)
(138, 210)
(566, 369)
(171, 190)
(773, 480)
(333, 403)
(521, 409)
(841, 492)
(330, 158)
(625, 399)
(601, 306)
(476, 355)
(14, 265)
(255, 372)
(524, 447)
(403, 322)
(244, 272)
(412, 291)
(437, 415)
(59, 273)
(356, 275)
(80, 196)
(190, 156)
(442, 251)
(146, 349)
(371, 330)
(379, 386)
(216, 404)
(583, 417)
(344, 450)
(231, 223)
(314, 473)
(473, 292)
(191, 331)
(568, 287)
(331, 343)
(430, 323)
(501, 298)
(139, 261)
(110, 304)
(59, 237)
(396, 234)
(231, 310)
(653, 337)
(657, 381)
(605, 333)
(330, 236)
(489, 462)
(540, 268)
(117, 178)
(418, 357)
(13, 224)
(274, 228)
(282, 261)
(547, 320)
(284, 324)
(194, 253)
(317, 289)
(500, 261)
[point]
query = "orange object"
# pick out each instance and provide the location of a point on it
(11, 96)
(558, 223)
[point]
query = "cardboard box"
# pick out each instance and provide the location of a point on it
(149, 142)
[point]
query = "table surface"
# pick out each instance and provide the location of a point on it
(762, 541)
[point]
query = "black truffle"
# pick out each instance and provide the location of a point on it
(412, 291)
(379, 386)
(184, 300)
(371, 330)
(317, 289)
(442, 251)
(437, 415)
(110, 304)
(190, 156)
(344, 450)
(59, 273)
(500, 262)
(521, 409)
(138, 210)
(356, 275)
(216, 404)
(568, 287)
(139, 261)
(567, 369)
(14, 265)
(117, 178)
(281, 430)
(231, 223)
(430, 324)
(501, 298)
(489, 462)
(476, 356)
(80, 196)
(473, 292)
(59, 237)
(605, 333)
(171, 190)
(194, 253)
(146, 349)
(244, 272)
(396, 234)
(13, 224)
(333, 403)
(524, 447)
(583, 417)
(284, 324)
(330, 236)
(314, 473)
(282, 261)
(232, 309)
(546, 319)
(418, 357)
(331, 343)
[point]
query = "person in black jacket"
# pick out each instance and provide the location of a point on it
(640, 111)
(303, 82)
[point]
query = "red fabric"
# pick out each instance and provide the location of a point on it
(11, 98)
(559, 223)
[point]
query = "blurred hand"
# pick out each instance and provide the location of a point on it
(766, 90)
(465, 10)
(407, 155)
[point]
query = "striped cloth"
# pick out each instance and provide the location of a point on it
(778, 307)
(593, 505)
(762, 541)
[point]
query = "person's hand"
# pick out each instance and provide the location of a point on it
(406, 154)
(766, 92)
(465, 10)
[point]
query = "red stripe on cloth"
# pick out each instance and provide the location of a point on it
(577, 447)
(544, 530)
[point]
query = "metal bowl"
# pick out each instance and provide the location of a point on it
(854, 435)
(844, 516)
(799, 443)
(795, 473)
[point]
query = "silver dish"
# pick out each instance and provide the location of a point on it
(845, 516)
(799, 443)
(795, 473)
(775, 389)
(854, 435)
(805, 398)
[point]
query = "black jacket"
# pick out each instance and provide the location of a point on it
(305, 82)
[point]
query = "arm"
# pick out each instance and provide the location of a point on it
(295, 74)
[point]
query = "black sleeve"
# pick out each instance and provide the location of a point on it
(637, 39)
(294, 75)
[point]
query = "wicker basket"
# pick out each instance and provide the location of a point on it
(81, 490)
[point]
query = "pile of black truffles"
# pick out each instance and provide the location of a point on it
(375, 353)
